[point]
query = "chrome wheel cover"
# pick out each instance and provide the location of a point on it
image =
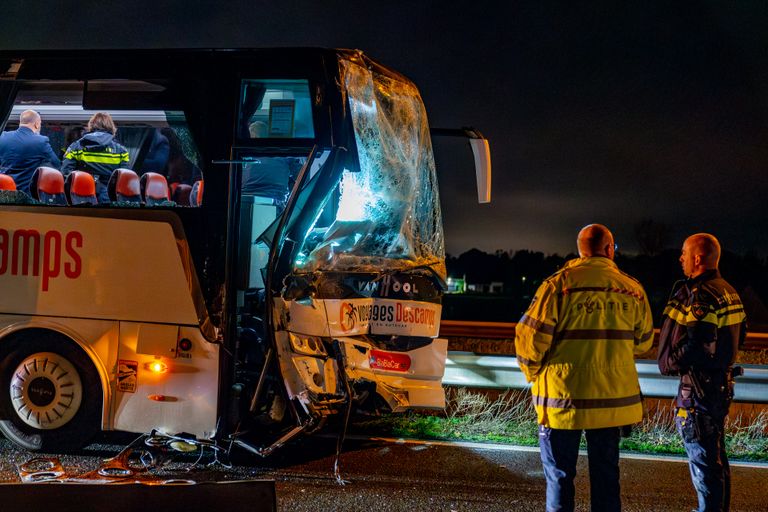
(46, 391)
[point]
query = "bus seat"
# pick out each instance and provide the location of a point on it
(124, 186)
(154, 188)
(7, 183)
(47, 186)
(180, 193)
(196, 196)
(80, 188)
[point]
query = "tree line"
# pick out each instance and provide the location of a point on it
(657, 269)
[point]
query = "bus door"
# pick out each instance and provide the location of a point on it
(275, 132)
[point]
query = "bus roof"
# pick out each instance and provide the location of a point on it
(72, 63)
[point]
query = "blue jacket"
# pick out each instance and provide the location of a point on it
(21, 152)
(97, 153)
(703, 326)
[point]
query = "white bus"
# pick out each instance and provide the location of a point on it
(292, 267)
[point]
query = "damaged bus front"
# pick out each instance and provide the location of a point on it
(310, 260)
(358, 264)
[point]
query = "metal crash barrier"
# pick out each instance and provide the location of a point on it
(506, 330)
(502, 372)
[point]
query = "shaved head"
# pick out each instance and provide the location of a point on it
(706, 247)
(595, 240)
(29, 117)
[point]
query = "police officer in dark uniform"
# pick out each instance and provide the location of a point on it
(97, 152)
(704, 325)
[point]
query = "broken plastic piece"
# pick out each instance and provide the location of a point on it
(183, 446)
(41, 469)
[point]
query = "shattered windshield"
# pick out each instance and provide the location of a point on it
(384, 215)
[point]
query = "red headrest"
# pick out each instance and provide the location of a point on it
(180, 194)
(7, 183)
(82, 184)
(50, 181)
(127, 183)
(154, 186)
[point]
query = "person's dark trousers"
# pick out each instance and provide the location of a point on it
(102, 195)
(704, 441)
(559, 454)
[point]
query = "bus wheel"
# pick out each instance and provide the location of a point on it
(50, 394)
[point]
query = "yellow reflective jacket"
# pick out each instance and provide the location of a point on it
(577, 342)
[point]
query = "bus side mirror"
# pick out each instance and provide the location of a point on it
(482, 153)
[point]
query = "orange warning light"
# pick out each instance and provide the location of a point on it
(157, 367)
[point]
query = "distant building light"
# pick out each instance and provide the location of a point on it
(456, 285)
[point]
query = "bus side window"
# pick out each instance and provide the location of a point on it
(182, 167)
(275, 109)
(156, 140)
(167, 151)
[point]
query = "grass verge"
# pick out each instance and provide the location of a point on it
(510, 418)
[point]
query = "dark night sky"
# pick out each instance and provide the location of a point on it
(596, 112)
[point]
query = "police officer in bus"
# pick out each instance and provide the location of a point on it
(23, 150)
(704, 325)
(97, 152)
(576, 344)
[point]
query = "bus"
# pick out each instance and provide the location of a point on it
(271, 256)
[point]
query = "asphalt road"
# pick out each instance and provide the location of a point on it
(385, 476)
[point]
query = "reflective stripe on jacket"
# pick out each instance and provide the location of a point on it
(97, 153)
(577, 342)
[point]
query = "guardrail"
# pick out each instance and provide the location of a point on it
(502, 372)
(506, 330)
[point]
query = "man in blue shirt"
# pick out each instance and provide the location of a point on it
(23, 150)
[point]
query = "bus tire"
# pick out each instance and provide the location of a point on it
(50, 394)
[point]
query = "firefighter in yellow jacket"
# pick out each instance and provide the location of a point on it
(576, 343)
